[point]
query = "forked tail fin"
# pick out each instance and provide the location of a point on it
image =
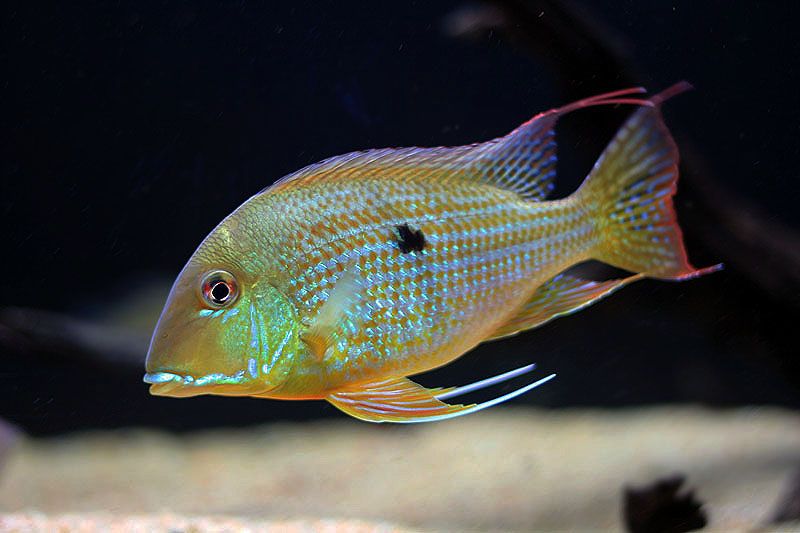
(629, 193)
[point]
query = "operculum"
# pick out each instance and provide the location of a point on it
(272, 337)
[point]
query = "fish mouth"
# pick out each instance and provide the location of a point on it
(170, 384)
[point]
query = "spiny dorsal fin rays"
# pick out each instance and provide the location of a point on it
(522, 161)
(400, 400)
(403, 163)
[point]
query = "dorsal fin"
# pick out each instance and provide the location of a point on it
(412, 162)
(523, 161)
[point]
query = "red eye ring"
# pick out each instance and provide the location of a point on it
(219, 289)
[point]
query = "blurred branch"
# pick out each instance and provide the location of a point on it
(36, 332)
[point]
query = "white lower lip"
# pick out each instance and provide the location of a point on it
(169, 384)
(161, 377)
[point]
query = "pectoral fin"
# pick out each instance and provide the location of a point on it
(560, 296)
(403, 401)
(336, 316)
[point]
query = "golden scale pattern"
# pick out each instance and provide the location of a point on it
(486, 251)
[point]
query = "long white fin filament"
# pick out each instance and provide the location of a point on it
(480, 406)
(488, 382)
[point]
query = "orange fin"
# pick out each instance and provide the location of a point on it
(401, 400)
(630, 192)
(562, 295)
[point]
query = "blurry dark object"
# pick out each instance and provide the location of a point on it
(660, 508)
(580, 51)
(112, 333)
(51, 334)
(473, 21)
(8, 437)
(788, 509)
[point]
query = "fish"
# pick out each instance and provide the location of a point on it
(343, 279)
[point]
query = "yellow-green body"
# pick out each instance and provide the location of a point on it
(487, 251)
(348, 276)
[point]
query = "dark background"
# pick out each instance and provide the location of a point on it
(129, 129)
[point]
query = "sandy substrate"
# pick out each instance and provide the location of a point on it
(172, 523)
(510, 469)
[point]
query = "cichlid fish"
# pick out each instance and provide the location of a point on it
(344, 278)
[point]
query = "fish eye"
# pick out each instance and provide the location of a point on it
(219, 289)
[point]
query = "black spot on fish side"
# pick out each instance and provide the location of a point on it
(410, 240)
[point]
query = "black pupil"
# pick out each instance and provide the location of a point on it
(220, 291)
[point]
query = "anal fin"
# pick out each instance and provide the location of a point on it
(392, 400)
(562, 295)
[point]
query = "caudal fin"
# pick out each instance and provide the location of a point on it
(629, 192)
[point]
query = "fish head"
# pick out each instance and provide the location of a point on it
(224, 330)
